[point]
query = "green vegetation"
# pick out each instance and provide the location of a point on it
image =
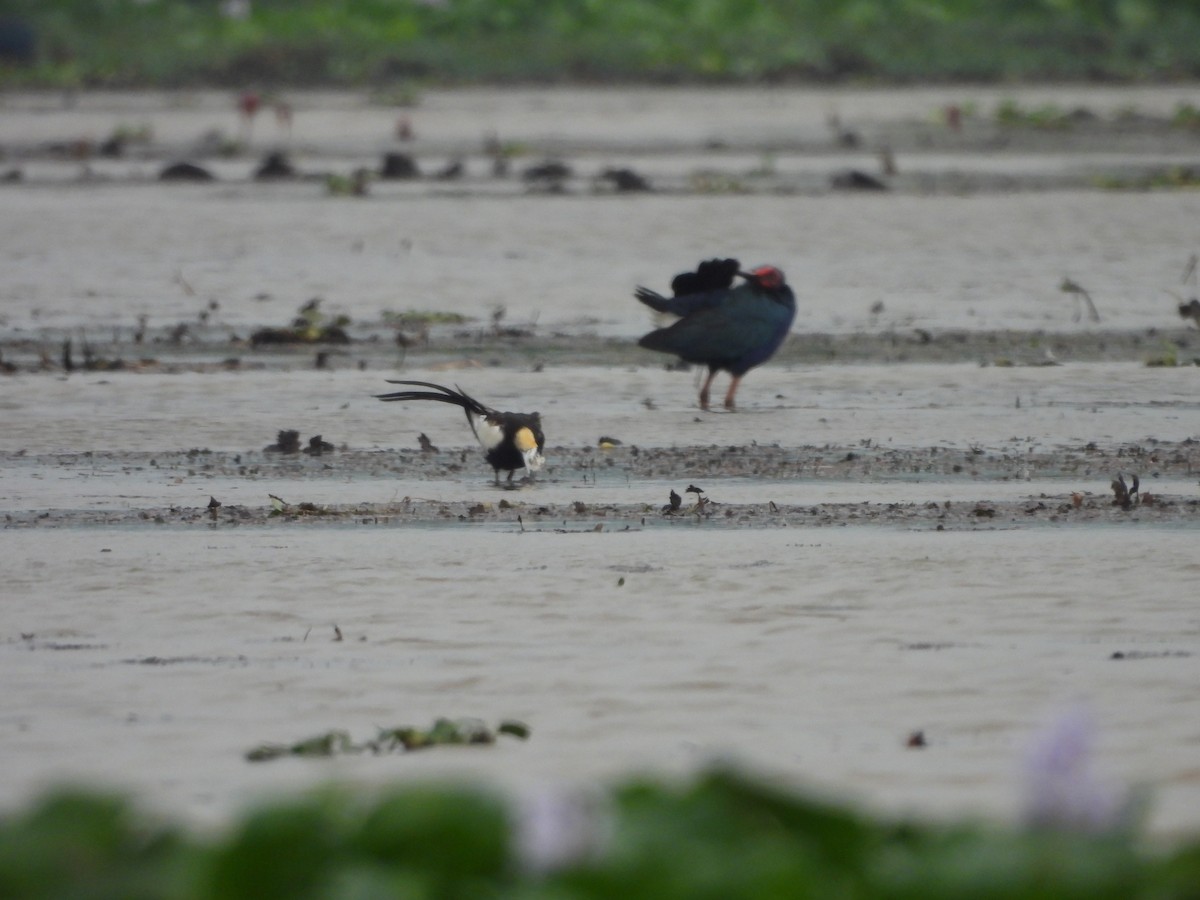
(373, 42)
(721, 836)
(417, 318)
(1186, 116)
(406, 738)
(311, 326)
(1165, 178)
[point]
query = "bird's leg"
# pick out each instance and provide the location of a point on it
(704, 390)
(510, 475)
(733, 386)
(1095, 316)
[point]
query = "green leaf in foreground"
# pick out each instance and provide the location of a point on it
(723, 834)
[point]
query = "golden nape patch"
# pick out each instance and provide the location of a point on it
(524, 440)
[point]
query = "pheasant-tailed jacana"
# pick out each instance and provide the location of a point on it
(512, 440)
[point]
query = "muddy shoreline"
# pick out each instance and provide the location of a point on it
(1055, 495)
(1040, 509)
(375, 347)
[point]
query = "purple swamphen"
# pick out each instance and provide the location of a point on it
(721, 326)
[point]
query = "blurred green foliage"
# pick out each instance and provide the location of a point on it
(356, 42)
(722, 835)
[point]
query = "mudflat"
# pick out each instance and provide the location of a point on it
(911, 523)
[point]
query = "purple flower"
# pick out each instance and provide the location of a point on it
(556, 828)
(1062, 791)
(235, 9)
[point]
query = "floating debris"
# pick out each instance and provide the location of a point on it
(281, 507)
(287, 441)
(856, 180)
(1190, 311)
(465, 731)
(624, 180)
(331, 743)
(185, 171)
(311, 326)
(398, 167)
(317, 446)
(356, 184)
(453, 169)
(549, 170)
(1125, 495)
(275, 167)
(700, 508)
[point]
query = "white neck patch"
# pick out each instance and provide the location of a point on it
(489, 434)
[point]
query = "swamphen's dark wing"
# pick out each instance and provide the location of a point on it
(684, 305)
(744, 330)
(710, 275)
(723, 327)
(708, 286)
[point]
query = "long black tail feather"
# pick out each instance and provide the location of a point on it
(710, 275)
(455, 396)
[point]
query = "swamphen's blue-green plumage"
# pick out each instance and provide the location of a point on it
(726, 328)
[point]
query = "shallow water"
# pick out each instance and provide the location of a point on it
(810, 652)
(908, 406)
(94, 259)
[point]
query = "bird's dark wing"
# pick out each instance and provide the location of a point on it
(692, 291)
(684, 305)
(710, 275)
(742, 332)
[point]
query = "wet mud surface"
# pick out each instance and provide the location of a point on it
(374, 346)
(527, 504)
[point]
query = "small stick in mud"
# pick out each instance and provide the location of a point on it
(702, 502)
(1070, 287)
(1189, 271)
